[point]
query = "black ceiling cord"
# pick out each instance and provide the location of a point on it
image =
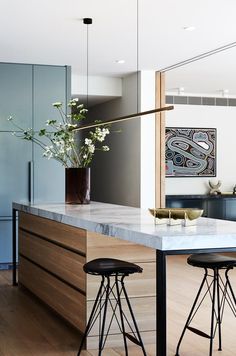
(87, 21)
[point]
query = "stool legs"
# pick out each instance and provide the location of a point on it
(216, 309)
(215, 280)
(92, 315)
(121, 315)
(105, 291)
(191, 313)
(138, 341)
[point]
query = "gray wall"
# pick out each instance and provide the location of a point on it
(115, 175)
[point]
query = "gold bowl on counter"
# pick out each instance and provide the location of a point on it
(174, 216)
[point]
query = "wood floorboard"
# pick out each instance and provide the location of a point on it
(28, 328)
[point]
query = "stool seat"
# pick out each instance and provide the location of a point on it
(211, 260)
(110, 266)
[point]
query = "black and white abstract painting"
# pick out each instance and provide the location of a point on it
(190, 152)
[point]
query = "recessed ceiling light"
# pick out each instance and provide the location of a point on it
(189, 28)
(120, 61)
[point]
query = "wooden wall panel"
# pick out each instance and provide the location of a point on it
(66, 301)
(160, 142)
(66, 264)
(63, 234)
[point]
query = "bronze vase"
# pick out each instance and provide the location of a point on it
(77, 185)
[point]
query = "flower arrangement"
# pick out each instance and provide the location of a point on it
(60, 142)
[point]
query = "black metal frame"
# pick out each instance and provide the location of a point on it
(161, 312)
(161, 315)
(218, 304)
(99, 311)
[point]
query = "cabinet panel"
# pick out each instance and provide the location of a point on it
(216, 208)
(66, 301)
(65, 264)
(65, 235)
(49, 87)
(15, 95)
(14, 157)
(230, 209)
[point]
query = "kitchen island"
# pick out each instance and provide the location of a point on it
(56, 239)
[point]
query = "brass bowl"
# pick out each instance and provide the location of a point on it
(176, 213)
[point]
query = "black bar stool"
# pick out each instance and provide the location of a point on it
(220, 291)
(110, 295)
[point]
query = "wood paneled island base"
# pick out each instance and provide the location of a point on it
(51, 258)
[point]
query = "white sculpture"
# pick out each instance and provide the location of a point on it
(215, 187)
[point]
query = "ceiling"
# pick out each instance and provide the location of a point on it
(52, 32)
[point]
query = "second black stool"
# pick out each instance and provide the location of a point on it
(220, 291)
(107, 268)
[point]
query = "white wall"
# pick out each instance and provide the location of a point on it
(224, 119)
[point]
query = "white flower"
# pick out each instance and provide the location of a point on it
(105, 148)
(88, 141)
(85, 156)
(58, 104)
(91, 148)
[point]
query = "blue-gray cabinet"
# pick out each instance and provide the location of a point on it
(215, 206)
(27, 92)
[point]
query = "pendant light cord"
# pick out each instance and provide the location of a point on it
(87, 21)
(137, 53)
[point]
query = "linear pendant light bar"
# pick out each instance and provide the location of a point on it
(124, 118)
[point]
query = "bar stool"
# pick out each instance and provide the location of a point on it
(110, 294)
(220, 291)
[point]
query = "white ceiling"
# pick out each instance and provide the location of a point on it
(52, 32)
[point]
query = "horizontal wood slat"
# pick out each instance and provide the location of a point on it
(102, 246)
(65, 264)
(66, 301)
(66, 235)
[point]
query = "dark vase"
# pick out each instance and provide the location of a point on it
(77, 185)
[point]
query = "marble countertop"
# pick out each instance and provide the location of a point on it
(137, 225)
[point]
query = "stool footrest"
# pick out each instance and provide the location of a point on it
(198, 332)
(133, 339)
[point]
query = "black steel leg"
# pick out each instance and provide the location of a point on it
(92, 315)
(191, 313)
(121, 315)
(140, 342)
(101, 344)
(229, 284)
(213, 311)
(14, 281)
(218, 310)
(161, 341)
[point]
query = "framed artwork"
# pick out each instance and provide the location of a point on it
(190, 152)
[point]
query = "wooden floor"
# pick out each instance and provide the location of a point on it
(27, 328)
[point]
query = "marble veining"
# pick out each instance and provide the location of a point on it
(137, 225)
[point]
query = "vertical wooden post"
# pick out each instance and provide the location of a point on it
(160, 142)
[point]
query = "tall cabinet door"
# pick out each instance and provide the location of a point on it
(16, 101)
(15, 95)
(50, 85)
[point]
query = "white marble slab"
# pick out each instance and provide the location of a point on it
(137, 225)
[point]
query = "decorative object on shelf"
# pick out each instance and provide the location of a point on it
(234, 189)
(60, 142)
(176, 216)
(214, 187)
(190, 152)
